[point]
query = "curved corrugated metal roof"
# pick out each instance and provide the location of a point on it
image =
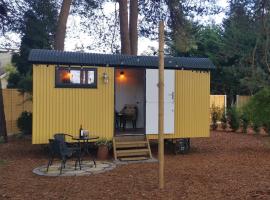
(41, 56)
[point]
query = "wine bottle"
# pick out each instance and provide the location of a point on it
(81, 132)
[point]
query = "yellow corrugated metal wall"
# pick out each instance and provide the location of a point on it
(192, 99)
(57, 110)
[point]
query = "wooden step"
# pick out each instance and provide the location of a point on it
(133, 158)
(128, 138)
(133, 147)
(132, 152)
(131, 144)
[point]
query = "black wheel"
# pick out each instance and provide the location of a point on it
(182, 146)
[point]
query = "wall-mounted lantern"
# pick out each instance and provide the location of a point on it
(122, 75)
(105, 78)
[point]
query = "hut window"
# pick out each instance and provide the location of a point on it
(75, 77)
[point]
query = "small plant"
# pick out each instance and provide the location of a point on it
(24, 122)
(2, 140)
(244, 122)
(2, 162)
(104, 147)
(223, 120)
(233, 118)
(215, 116)
(256, 128)
(104, 142)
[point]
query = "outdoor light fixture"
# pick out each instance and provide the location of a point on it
(105, 78)
(122, 74)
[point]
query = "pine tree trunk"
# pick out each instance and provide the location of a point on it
(124, 32)
(3, 128)
(62, 25)
(177, 25)
(133, 30)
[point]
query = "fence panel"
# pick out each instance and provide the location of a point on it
(218, 100)
(14, 104)
(241, 100)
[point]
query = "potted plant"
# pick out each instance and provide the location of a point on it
(104, 146)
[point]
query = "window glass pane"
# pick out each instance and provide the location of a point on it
(75, 76)
(91, 77)
(64, 76)
(70, 77)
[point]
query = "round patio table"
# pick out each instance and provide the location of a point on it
(84, 144)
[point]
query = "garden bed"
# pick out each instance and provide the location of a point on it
(225, 166)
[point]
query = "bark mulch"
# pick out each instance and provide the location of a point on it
(224, 166)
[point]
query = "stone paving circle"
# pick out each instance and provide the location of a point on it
(88, 168)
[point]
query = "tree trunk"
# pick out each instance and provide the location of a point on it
(133, 30)
(3, 128)
(177, 26)
(176, 15)
(62, 25)
(124, 32)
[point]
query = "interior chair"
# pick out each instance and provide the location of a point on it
(130, 113)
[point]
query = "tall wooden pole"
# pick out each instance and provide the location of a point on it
(161, 106)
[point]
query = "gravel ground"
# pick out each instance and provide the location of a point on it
(224, 166)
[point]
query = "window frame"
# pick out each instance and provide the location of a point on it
(58, 84)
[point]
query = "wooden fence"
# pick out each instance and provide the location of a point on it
(14, 104)
(218, 100)
(241, 100)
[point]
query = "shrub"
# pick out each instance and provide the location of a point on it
(256, 128)
(215, 116)
(2, 140)
(233, 118)
(258, 109)
(223, 120)
(244, 121)
(24, 122)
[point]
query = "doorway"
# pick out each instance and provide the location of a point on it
(129, 101)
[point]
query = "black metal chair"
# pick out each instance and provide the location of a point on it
(59, 148)
(62, 137)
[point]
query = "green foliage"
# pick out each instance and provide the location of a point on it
(37, 28)
(258, 109)
(10, 68)
(208, 41)
(233, 118)
(216, 113)
(256, 128)
(104, 141)
(24, 122)
(13, 79)
(224, 120)
(2, 140)
(26, 84)
(2, 162)
(244, 119)
(239, 48)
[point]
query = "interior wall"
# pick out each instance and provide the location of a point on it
(129, 89)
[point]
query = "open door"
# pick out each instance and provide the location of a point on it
(152, 101)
